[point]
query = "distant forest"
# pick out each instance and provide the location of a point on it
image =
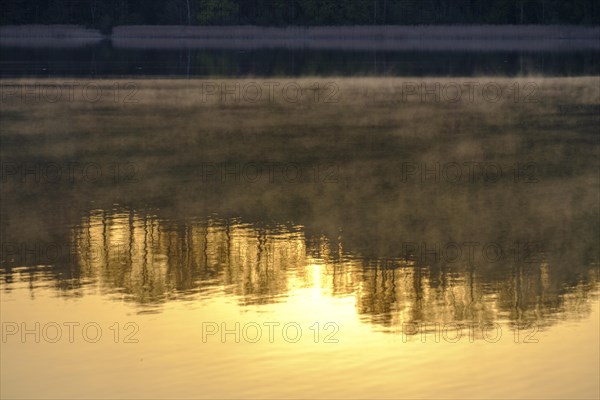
(104, 14)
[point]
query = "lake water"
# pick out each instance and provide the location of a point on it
(324, 228)
(172, 59)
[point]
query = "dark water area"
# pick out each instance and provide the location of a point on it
(107, 60)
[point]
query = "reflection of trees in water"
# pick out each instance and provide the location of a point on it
(149, 261)
(392, 296)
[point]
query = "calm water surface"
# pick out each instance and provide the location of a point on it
(377, 246)
(174, 59)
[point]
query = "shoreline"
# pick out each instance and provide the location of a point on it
(349, 32)
(385, 38)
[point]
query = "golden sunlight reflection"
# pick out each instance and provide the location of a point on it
(150, 261)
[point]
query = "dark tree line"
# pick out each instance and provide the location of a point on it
(104, 14)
